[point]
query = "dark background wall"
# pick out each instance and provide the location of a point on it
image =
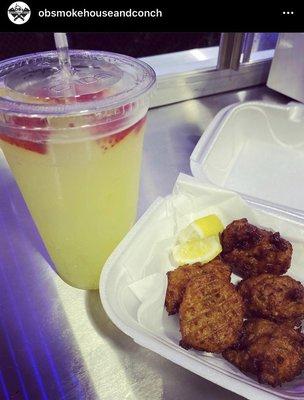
(136, 44)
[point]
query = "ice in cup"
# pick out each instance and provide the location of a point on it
(75, 151)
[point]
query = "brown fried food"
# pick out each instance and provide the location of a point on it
(252, 251)
(179, 278)
(274, 353)
(278, 298)
(211, 314)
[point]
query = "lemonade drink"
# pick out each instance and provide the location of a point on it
(79, 171)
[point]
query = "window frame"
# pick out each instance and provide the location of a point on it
(196, 73)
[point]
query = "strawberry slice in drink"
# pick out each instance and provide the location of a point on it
(27, 133)
(112, 140)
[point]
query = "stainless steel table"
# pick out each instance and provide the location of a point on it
(56, 342)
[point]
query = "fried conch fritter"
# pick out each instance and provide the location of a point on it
(252, 251)
(273, 353)
(211, 314)
(179, 278)
(278, 298)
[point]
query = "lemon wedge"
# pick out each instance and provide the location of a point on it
(201, 228)
(203, 250)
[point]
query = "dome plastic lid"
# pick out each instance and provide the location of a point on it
(35, 84)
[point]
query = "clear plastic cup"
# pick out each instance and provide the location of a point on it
(75, 151)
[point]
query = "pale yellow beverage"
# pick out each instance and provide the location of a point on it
(80, 182)
(82, 197)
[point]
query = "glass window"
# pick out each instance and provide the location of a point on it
(259, 46)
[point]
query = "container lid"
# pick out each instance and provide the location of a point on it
(257, 150)
(35, 84)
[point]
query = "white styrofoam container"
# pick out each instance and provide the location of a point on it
(257, 150)
(254, 149)
(288, 80)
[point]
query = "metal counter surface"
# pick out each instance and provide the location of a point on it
(56, 342)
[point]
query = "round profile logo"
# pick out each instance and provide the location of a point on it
(19, 12)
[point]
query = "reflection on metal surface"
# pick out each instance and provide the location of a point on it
(199, 54)
(56, 342)
(38, 353)
(201, 82)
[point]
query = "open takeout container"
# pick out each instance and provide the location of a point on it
(248, 163)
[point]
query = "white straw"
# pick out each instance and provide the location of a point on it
(62, 46)
(61, 40)
(66, 69)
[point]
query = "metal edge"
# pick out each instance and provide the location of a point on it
(197, 83)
